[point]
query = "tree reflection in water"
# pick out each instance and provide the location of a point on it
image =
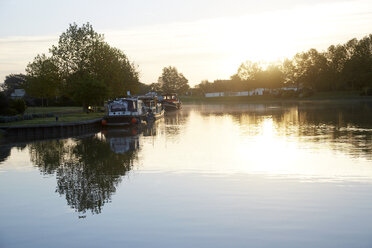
(4, 153)
(342, 127)
(88, 169)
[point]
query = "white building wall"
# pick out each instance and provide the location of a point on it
(254, 92)
(215, 94)
(289, 88)
(243, 93)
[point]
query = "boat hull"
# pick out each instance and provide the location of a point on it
(154, 117)
(120, 121)
(170, 106)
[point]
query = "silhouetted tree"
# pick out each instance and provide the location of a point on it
(89, 70)
(341, 67)
(12, 82)
(249, 70)
(173, 81)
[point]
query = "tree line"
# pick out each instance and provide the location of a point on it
(343, 67)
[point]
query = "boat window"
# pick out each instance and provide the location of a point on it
(131, 106)
(118, 107)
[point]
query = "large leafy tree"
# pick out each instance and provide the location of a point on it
(173, 81)
(86, 61)
(89, 69)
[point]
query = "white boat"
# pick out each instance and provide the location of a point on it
(132, 111)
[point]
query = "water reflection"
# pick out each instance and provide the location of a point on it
(296, 139)
(87, 169)
(345, 128)
(268, 175)
(4, 152)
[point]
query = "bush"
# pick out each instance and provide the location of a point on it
(9, 112)
(4, 100)
(19, 105)
(10, 107)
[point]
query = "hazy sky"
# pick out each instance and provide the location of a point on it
(204, 39)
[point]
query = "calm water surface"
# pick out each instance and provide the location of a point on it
(208, 176)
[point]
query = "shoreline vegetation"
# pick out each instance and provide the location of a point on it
(321, 96)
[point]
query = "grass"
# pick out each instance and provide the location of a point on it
(44, 110)
(62, 118)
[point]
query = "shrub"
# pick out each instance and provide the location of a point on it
(9, 112)
(19, 105)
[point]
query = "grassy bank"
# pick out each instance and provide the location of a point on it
(62, 118)
(44, 110)
(321, 96)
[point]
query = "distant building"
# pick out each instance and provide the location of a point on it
(18, 94)
(215, 94)
(289, 88)
(254, 92)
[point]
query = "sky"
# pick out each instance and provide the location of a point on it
(203, 39)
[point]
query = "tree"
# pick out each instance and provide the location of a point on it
(82, 56)
(249, 70)
(87, 90)
(75, 49)
(337, 57)
(173, 81)
(12, 82)
(42, 80)
(89, 70)
(289, 71)
(272, 77)
(358, 67)
(113, 68)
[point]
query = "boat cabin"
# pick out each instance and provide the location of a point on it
(124, 107)
(170, 97)
(150, 104)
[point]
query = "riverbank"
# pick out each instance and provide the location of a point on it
(55, 110)
(322, 96)
(48, 130)
(62, 118)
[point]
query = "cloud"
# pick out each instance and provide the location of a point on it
(17, 52)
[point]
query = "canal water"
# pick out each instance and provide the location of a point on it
(248, 175)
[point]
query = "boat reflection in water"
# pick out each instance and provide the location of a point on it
(88, 169)
(122, 141)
